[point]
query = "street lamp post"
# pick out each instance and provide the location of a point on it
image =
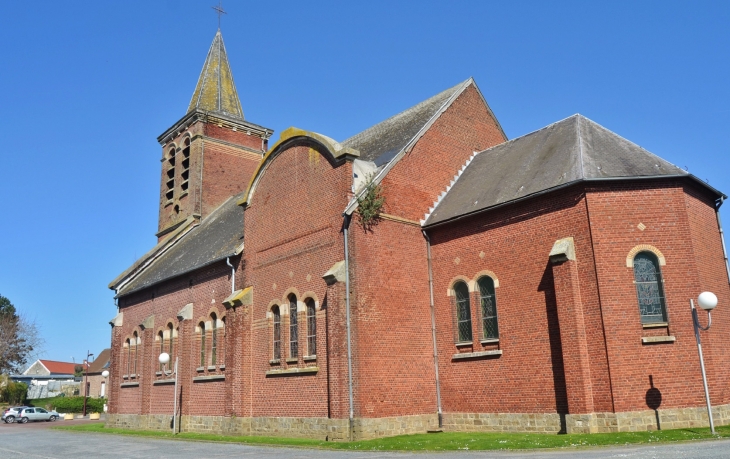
(86, 378)
(164, 360)
(708, 302)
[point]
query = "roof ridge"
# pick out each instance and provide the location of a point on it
(629, 141)
(529, 133)
(448, 187)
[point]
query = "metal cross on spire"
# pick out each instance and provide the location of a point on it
(219, 9)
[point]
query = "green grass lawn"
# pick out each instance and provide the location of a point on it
(445, 441)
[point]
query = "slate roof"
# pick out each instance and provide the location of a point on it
(215, 91)
(58, 368)
(218, 236)
(101, 362)
(574, 149)
(380, 143)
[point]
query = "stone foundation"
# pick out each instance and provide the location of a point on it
(633, 421)
(366, 428)
(316, 428)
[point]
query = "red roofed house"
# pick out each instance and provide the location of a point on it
(50, 368)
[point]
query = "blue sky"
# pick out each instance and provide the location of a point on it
(86, 87)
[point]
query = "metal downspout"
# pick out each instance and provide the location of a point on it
(433, 330)
(345, 226)
(233, 275)
(722, 235)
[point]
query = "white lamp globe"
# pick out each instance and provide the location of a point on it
(105, 373)
(164, 358)
(707, 301)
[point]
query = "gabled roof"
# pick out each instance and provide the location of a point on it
(101, 362)
(380, 143)
(218, 236)
(58, 368)
(215, 91)
(574, 149)
(388, 141)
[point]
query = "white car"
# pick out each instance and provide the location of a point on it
(37, 414)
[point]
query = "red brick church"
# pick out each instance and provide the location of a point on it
(424, 274)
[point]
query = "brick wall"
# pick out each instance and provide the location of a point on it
(292, 238)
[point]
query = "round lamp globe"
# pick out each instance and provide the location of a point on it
(105, 373)
(707, 301)
(164, 358)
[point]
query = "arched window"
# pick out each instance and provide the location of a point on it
(170, 184)
(463, 312)
(213, 338)
(311, 327)
(185, 165)
(129, 356)
(488, 300)
(293, 329)
(649, 288)
(135, 338)
(170, 330)
(277, 332)
(161, 337)
(202, 344)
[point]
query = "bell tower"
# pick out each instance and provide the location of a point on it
(211, 153)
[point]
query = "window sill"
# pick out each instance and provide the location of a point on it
(161, 382)
(125, 376)
(200, 369)
(292, 360)
(308, 358)
(657, 339)
(129, 384)
(185, 193)
(655, 325)
(134, 376)
(222, 367)
(209, 378)
(489, 341)
(476, 355)
(158, 373)
(464, 343)
(211, 367)
(275, 361)
(168, 203)
(292, 371)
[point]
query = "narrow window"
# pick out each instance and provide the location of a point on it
(135, 338)
(213, 339)
(463, 312)
(311, 328)
(202, 344)
(490, 330)
(277, 332)
(129, 356)
(185, 165)
(172, 336)
(161, 336)
(170, 184)
(293, 330)
(649, 288)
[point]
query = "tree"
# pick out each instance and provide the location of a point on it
(20, 340)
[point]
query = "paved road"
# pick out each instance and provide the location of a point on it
(37, 441)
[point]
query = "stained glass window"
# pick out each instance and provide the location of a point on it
(649, 288)
(277, 332)
(463, 312)
(213, 339)
(293, 329)
(202, 344)
(311, 328)
(490, 330)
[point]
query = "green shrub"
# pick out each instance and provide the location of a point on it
(70, 404)
(14, 393)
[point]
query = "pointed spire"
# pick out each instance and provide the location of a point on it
(216, 91)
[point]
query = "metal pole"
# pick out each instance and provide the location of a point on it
(696, 324)
(174, 403)
(347, 312)
(86, 379)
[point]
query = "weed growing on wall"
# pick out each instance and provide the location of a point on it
(370, 204)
